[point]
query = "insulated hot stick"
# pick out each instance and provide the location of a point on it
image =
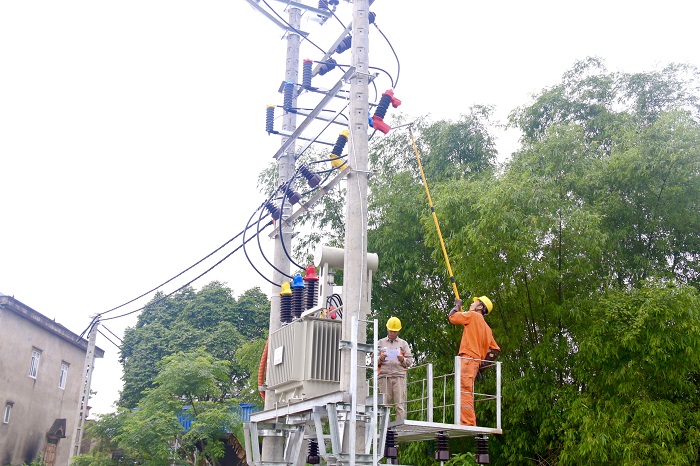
(432, 210)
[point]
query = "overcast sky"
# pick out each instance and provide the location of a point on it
(132, 132)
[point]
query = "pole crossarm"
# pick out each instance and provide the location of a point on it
(312, 115)
(277, 21)
(322, 191)
(331, 49)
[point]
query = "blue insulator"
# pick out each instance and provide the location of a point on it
(273, 209)
(344, 44)
(288, 96)
(372, 17)
(327, 66)
(270, 119)
(297, 295)
(292, 195)
(312, 178)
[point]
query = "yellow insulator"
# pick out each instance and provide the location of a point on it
(286, 289)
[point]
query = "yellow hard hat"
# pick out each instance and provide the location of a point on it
(393, 324)
(487, 302)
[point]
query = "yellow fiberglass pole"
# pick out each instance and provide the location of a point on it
(432, 210)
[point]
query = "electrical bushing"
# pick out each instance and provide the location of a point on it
(292, 196)
(482, 450)
(306, 73)
(337, 151)
(270, 119)
(311, 282)
(285, 303)
(297, 295)
(288, 96)
(312, 178)
(313, 457)
(442, 451)
(344, 44)
(327, 66)
(273, 209)
(379, 114)
(391, 450)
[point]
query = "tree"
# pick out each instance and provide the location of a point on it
(600, 206)
(192, 386)
(188, 320)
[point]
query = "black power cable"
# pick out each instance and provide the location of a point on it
(179, 274)
(257, 235)
(114, 334)
(193, 280)
(108, 339)
(288, 186)
(398, 63)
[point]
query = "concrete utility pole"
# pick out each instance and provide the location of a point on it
(355, 276)
(273, 447)
(85, 392)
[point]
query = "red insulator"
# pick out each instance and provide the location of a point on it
(311, 288)
(307, 73)
(380, 112)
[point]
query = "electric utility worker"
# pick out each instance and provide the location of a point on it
(477, 342)
(394, 358)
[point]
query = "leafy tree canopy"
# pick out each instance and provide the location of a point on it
(211, 318)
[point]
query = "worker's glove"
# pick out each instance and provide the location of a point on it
(457, 308)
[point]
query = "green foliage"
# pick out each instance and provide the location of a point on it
(586, 240)
(212, 318)
(194, 384)
(412, 282)
(324, 222)
(248, 357)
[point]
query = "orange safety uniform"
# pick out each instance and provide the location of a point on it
(477, 339)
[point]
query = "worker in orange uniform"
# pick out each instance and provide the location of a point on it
(394, 359)
(477, 341)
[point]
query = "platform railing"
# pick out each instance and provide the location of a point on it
(437, 398)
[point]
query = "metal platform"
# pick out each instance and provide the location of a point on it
(412, 431)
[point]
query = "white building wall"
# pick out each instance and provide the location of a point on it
(36, 403)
